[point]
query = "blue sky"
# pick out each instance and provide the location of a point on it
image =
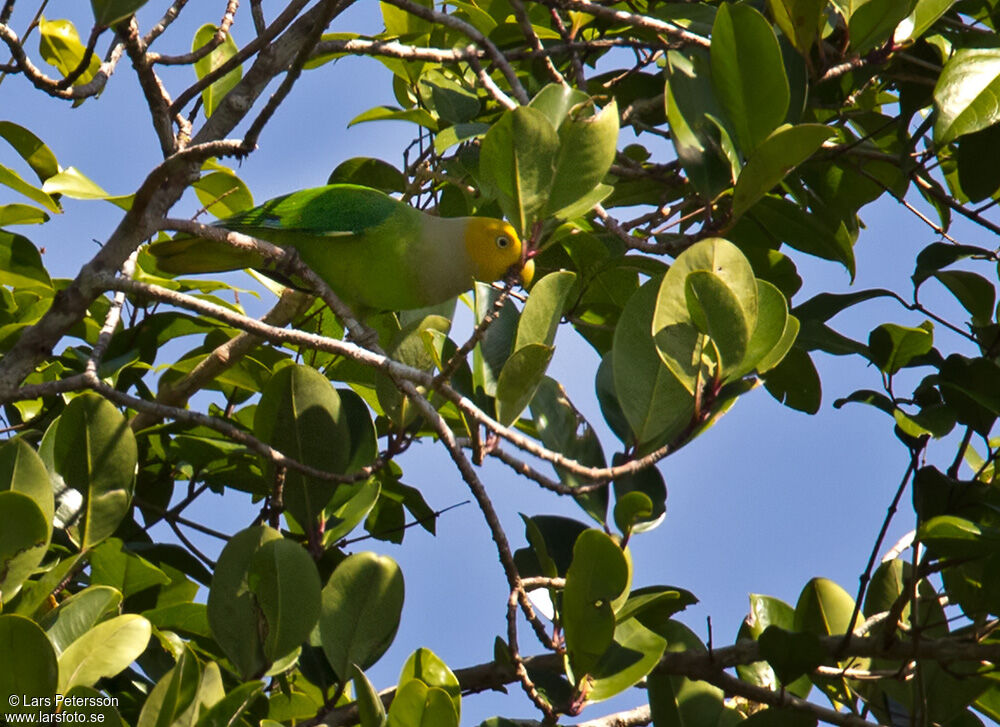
(764, 501)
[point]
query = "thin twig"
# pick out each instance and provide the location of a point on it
(866, 575)
(222, 30)
(163, 23)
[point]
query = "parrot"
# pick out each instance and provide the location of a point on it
(377, 253)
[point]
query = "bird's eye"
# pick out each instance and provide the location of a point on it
(503, 242)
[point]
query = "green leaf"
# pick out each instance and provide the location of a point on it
(598, 574)
(104, 651)
(33, 599)
(587, 145)
(517, 160)
(977, 180)
(767, 342)
(967, 94)
(24, 538)
(73, 183)
(225, 712)
(633, 654)
(10, 178)
(555, 101)
(719, 314)
(369, 172)
(112, 565)
(300, 415)
(976, 294)
(223, 194)
(21, 264)
(286, 588)
(630, 508)
(348, 508)
(426, 666)
(562, 428)
(96, 454)
(362, 603)
(677, 701)
(775, 158)
(496, 345)
(544, 309)
(655, 403)
(34, 673)
(872, 24)
(536, 331)
(21, 214)
(691, 104)
(417, 705)
(400, 23)
(233, 614)
(951, 536)
(767, 611)
(823, 608)
(391, 113)
(804, 231)
(607, 397)
(649, 483)
(519, 380)
(924, 15)
(893, 347)
(969, 389)
(452, 101)
(748, 74)
(216, 91)
(79, 613)
(795, 383)
(59, 44)
(371, 711)
(790, 654)
(22, 470)
(678, 339)
(825, 306)
(654, 605)
(173, 693)
(448, 137)
(112, 12)
(552, 538)
(799, 20)
(33, 150)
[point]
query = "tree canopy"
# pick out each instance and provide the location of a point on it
(669, 168)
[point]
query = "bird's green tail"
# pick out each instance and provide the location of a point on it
(189, 255)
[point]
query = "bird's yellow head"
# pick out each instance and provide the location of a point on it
(494, 248)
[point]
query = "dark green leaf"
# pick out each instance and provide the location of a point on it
(362, 603)
(773, 159)
(598, 575)
(795, 383)
(893, 347)
(748, 74)
(286, 589)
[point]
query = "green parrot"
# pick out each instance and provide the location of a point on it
(375, 252)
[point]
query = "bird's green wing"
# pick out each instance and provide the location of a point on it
(334, 210)
(342, 211)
